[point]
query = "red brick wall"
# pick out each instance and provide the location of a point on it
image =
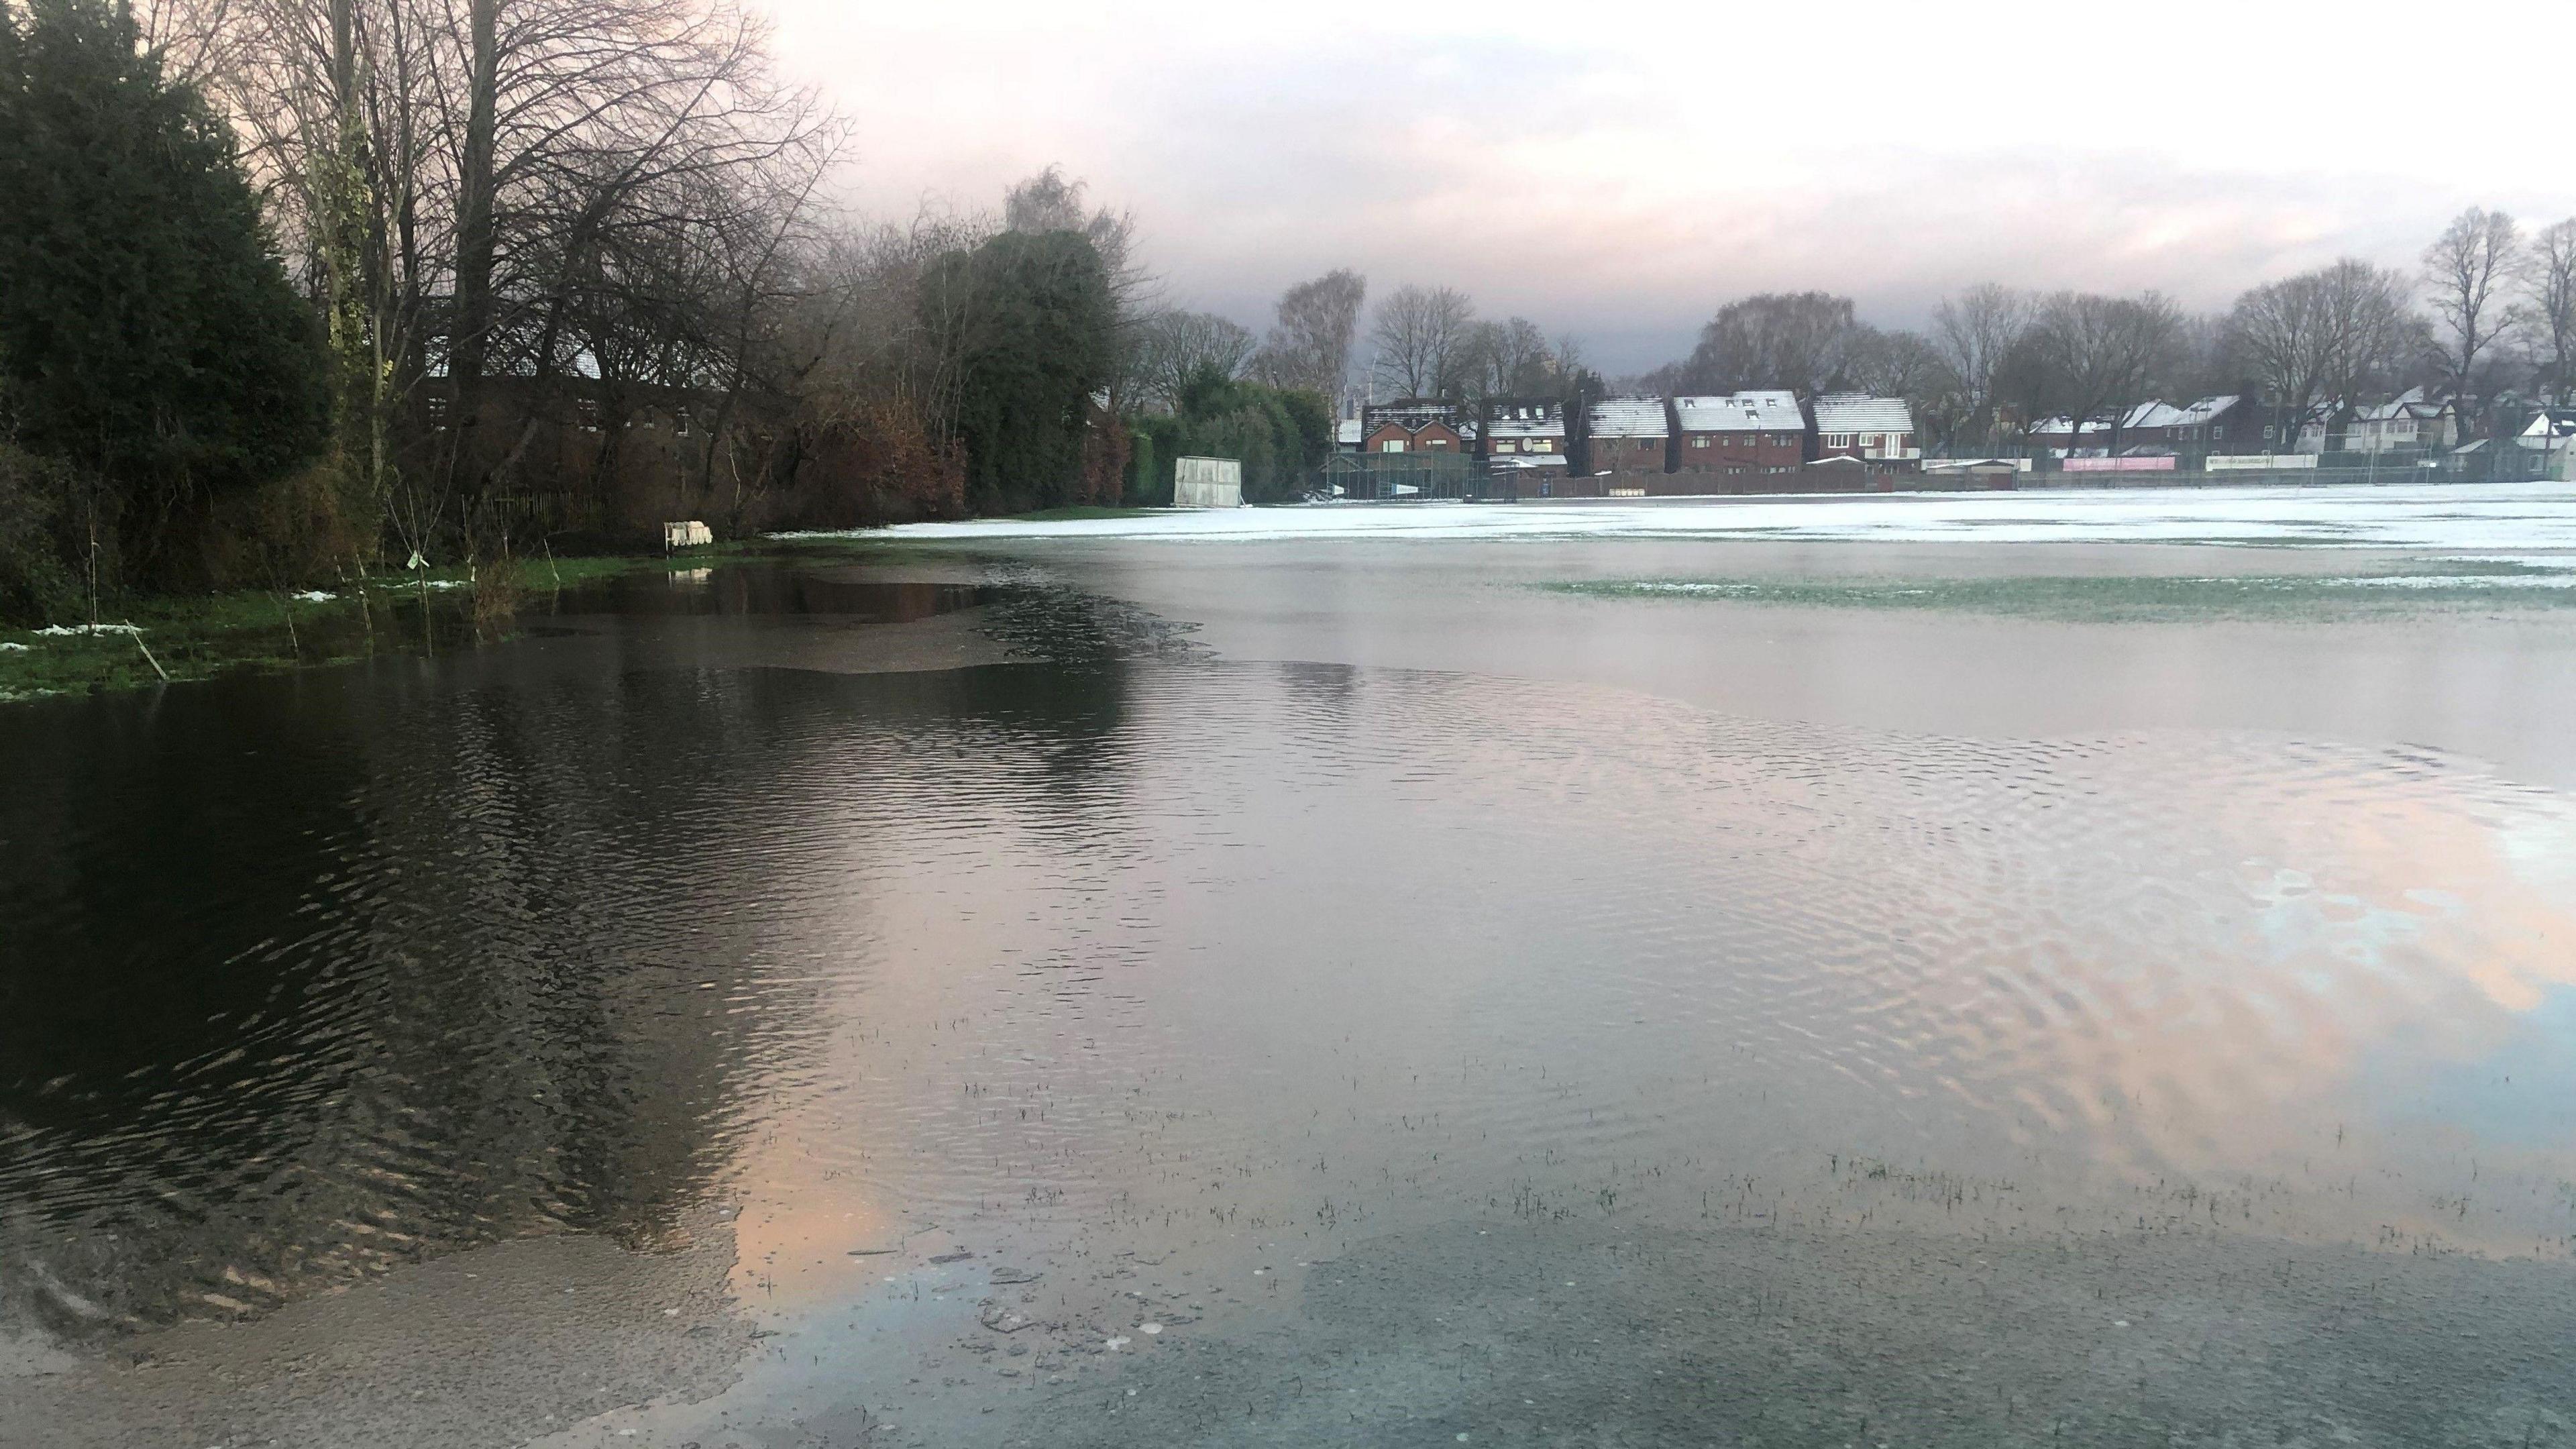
(1627, 455)
(1731, 453)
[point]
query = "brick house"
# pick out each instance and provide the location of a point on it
(1523, 429)
(2234, 423)
(1733, 441)
(1414, 425)
(1629, 435)
(2224, 424)
(1878, 431)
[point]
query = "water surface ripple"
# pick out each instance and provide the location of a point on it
(315, 976)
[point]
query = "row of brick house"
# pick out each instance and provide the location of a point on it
(1746, 442)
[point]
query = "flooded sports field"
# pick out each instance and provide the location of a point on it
(2017, 971)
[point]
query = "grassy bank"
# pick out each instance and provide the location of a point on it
(149, 639)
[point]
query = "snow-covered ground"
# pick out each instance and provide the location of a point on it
(2450, 518)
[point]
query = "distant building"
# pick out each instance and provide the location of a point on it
(1878, 431)
(2233, 423)
(2323, 428)
(2224, 424)
(1415, 425)
(2062, 437)
(1629, 435)
(2407, 423)
(1743, 436)
(1524, 429)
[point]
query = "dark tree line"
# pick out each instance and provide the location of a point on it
(156, 365)
(320, 286)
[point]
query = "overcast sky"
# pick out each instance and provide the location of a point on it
(1616, 171)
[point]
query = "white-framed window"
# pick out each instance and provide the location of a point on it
(438, 405)
(1391, 445)
(587, 410)
(1700, 442)
(1542, 445)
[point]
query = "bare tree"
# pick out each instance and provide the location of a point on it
(1050, 202)
(2550, 306)
(2102, 355)
(1510, 358)
(1801, 341)
(1974, 332)
(1309, 346)
(2329, 333)
(588, 134)
(1180, 346)
(2468, 271)
(1422, 337)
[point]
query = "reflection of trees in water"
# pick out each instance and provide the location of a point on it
(768, 590)
(307, 977)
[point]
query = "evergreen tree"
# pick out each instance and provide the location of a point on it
(148, 333)
(1031, 322)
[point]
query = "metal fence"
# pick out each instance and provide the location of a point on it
(1399, 477)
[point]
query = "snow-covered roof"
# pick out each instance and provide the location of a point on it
(2208, 409)
(1347, 430)
(2059, 424)
(1628, 417)
(2408, 404)
(1742, 412)
(1528, 420)
(1852, 412)
(1411, 414)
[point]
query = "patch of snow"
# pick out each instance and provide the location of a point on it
(2448, 519)
(66, 631)
(316, 596)
(12, 647)
(2462, 581)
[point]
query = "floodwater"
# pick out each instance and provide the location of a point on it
(1116, 991)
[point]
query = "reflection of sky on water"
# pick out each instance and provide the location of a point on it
(1200, 950)
(2520, 1096)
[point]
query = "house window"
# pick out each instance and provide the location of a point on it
(1506, 445)
(680, 422)
(1391, 445)
(438, 404)
(1541, 445)
(1437, 443)
(587, 410)
(1700, 442)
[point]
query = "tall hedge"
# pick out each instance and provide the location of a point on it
(1029, 319)
(1281, 436)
